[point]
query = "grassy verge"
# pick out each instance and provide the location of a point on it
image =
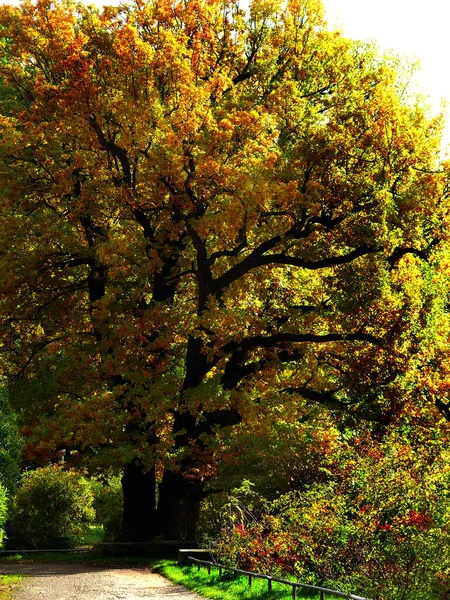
(93, 535)
(226, 587)
(7, 583)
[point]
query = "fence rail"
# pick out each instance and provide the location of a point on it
(294, 584)
(73, 550)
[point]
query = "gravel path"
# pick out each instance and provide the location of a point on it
(86, 582)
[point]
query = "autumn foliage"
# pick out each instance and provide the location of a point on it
(376, 522)
(209, 219)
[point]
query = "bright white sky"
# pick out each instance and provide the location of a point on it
(413, 28)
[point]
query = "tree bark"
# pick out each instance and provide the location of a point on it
(139, 503)
(178, 506)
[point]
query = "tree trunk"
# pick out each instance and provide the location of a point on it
(139, 504)
(178, 506)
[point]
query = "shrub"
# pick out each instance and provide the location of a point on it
(11, 444)
(241, 504)
(108, 504)
(52, 507)
(380, 527)
(300, 534)
(3, 513)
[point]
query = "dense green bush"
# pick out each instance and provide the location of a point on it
(108, 505)
(11, 444)
(53, 506)
(3, 513)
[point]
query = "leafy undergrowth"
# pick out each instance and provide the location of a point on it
(7, 583)
(93, 535)
(226, 587)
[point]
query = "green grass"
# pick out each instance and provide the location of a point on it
(7, 583)
(226, 587)
(94, 535)
(211, 586)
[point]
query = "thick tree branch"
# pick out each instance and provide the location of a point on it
(243, 76)
(443, 408)
(273, 341)
(129, 175)
(332, 261)
(399, 253)
(300, 230)
(144, 222)
(238, 369)
(204, 275)
(323, 397)
(249, 262)
(117, 151)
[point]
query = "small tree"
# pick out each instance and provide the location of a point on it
(52, 506)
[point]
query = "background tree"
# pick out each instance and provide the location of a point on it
(206, 216)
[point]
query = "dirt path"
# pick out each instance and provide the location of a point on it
(86, 582)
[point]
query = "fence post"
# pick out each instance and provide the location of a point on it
(294, 584)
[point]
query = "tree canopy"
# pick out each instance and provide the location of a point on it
(209, 217)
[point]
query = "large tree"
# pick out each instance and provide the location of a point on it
(206, 215)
